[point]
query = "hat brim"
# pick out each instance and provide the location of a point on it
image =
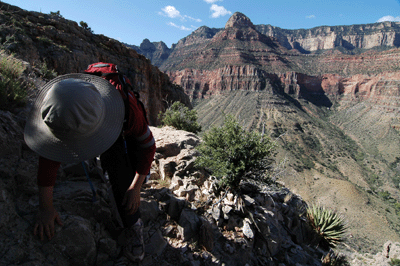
(41, 140)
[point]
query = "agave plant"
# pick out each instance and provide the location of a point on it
(329, 225)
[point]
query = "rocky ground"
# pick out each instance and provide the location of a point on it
(186, 222)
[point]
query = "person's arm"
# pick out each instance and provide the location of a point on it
(140, 132)
(46, 216)
(131, 199)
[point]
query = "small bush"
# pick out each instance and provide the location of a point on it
(85, 26)
(56, 14)
(328, 225)
(12, 90)
(47, 73)
(394, 262)
(230, 152)
(180, 117)
(385, 195)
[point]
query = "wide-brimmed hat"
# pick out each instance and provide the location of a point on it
(74, 118)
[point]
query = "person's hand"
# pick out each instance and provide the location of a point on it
(45, 223)
(131, 200)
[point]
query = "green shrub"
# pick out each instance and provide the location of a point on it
(329, 226)
(56, 14)
(394, 262)
(47, 73)
(230, 152)
(12, 90)
(180, 117)
(85, 26)
(385, 195)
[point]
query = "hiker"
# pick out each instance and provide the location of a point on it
(77, 117)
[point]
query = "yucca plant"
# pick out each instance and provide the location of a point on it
(329, 225)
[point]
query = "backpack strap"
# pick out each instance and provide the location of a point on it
(107, 71)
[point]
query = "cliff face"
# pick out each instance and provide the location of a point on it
(67, 48)
(347, 39)
(156, 52)
(205, 83)
(240, 57)
(328, 37)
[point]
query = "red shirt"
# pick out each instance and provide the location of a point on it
(138, 130)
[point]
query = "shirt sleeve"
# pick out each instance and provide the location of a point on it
(47, 172)
(140, 132)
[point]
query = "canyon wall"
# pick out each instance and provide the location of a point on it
(364, 36)
(64, 46)
(348, 39)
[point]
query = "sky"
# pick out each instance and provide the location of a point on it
(132, 21)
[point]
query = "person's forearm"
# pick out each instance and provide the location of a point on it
(138, 181)
(46, 197)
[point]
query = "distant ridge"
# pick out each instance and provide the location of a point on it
(348, 39)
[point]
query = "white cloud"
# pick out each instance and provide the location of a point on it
(194, 19)
(212, 1)
(180, 27)
(170, 11)
(389, 18)
(218, 11)
(310, 16)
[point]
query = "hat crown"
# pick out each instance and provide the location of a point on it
(73, 109)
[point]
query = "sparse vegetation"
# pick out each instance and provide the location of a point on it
(230, 152)
(180, 117)
(85, 26)
(56, 14)
(44, 40)
(47, 73)
(333, 258)
(329, 225)
(12, 89)
(394, 262)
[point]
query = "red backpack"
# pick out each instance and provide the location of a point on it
(111, 73)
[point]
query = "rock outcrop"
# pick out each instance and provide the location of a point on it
(390, 251)
(156, 52)
(185, 221)
(366, 36)
(66, 47)
(239, 20)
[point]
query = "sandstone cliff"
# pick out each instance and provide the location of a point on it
(351, 39)
(367, 36)
(67, 48)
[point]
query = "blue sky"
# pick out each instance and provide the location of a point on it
(131, 21)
